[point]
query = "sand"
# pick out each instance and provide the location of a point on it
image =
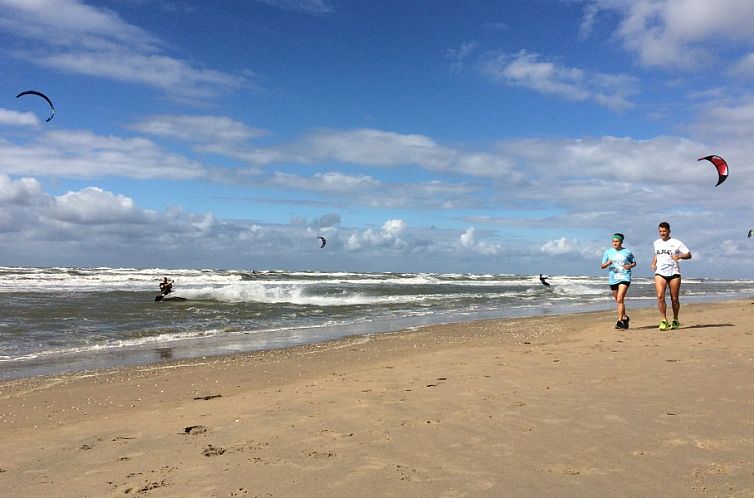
(561, 406)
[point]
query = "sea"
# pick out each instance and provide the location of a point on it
(63, 320)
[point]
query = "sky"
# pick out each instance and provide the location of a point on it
(484, 136)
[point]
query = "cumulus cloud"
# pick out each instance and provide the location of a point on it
(561, 246)
(93, 205)
(388, 237)
(96, 226)
(676, 33)
(100, 227)
(22, 192)
(469, 242)
(14, 118)
(72, 36)
(69, 216)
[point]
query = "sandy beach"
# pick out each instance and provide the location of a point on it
(546, 406)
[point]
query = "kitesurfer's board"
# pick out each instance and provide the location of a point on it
(169, 298)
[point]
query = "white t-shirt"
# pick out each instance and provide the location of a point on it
(664, 249)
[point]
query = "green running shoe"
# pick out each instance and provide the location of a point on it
(664, 325)
(675, 325)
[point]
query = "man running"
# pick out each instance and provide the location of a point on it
(668, 252)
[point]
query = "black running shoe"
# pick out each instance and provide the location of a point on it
(625, 322)
(620, 325)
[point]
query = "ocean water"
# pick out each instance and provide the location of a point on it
(56, 320)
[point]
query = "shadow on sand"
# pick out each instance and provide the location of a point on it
(700, 326)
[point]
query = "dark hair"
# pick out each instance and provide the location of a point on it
(664, 224)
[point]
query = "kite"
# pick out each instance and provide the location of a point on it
(751, 232)
(324, 242)
(720, 165)
(40, 94)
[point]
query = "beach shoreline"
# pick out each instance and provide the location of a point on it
(556, 405)
(59, 320)
(239, 343)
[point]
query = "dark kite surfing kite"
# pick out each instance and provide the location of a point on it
(40, 94)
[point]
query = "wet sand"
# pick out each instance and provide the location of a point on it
(561, 406)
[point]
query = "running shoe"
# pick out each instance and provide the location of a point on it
(625, 322)
(620, 324)
(675, 325)
(664, 325)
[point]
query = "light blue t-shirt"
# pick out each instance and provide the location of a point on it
(619, 258)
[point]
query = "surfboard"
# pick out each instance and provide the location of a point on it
(168, 298)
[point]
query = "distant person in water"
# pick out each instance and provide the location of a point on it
(166, 286)
(619, 261)
(543, 279)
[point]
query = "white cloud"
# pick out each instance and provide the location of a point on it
(22, 192)
(71, 22)
(75, 37)
(378, 148)
(93, 205)
(85, 154)
(732, 120)
(387, 238)
(530, 71)
(364, 147)
(607, 159)
(365, 190)
(316, 7)
(13, 118)
(209, 129)
(330, 182)
(561, 246)
(374, 148)
(96, 227)
(469, 242)
(172, 76)
(676, 33)
(394, 228)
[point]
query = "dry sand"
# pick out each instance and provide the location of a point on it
(548, 406)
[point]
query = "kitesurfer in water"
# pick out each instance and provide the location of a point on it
(166, 286)
(543, 279)
(619, 260)
(668, 252)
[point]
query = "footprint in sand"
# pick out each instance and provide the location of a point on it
(193, 430)
(212, 451)
(208, 397)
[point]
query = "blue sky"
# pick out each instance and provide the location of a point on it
(486, 136)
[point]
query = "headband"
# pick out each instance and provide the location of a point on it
(618, 236)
